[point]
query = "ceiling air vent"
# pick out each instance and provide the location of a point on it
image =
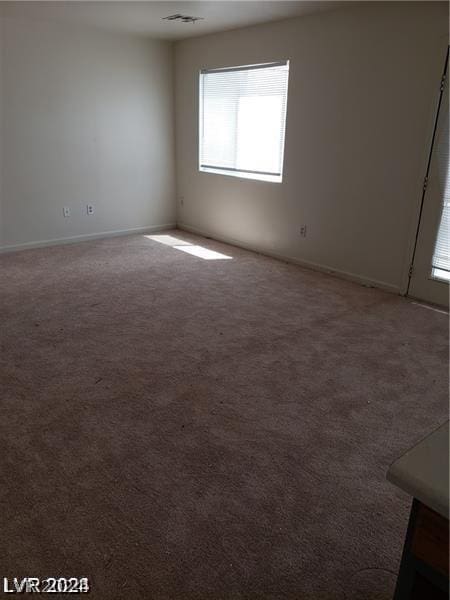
(182, 18)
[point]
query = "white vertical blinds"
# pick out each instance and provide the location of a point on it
(441, 256)
(242, 119)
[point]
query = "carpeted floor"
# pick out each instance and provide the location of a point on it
(179, 428)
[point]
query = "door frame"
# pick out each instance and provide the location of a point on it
(421, 180)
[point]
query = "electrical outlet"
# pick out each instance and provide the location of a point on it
(181, 200)
(66, 211)
(303, 230)
(90, 209)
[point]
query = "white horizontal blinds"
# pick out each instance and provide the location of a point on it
(441, 256)
(242, 120)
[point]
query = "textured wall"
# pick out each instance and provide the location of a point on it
(88, 118)
(363, 87)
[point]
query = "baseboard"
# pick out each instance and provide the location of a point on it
(220, 238)
(86, 237)
(367, 282)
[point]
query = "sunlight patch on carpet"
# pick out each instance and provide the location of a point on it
(194, 250)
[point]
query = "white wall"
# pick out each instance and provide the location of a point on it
(87, 118)
(363, 87)
(1, 128)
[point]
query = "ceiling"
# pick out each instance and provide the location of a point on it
(146, 17)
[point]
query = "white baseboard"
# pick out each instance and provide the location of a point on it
(86, 237)
(367, 282)
(220, 238)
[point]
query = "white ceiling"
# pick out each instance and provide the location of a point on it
(146, 17)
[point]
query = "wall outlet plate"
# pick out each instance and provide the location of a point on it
(66, 211)
(90, 209)
(303, 230)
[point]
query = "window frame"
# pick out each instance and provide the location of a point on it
(248, 174)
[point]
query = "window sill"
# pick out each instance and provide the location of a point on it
(243, 175)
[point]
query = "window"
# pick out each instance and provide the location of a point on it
(242, 120)
(441, 255)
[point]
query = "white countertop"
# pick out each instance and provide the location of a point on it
(423, 471)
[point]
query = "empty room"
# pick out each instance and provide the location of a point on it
(224, 291)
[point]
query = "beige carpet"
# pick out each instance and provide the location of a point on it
(179, 428)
